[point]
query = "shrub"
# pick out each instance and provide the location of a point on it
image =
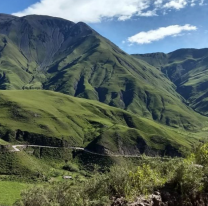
(59, 195)
(118, 181)
(202, 155)
(188, 178)
(145, 179)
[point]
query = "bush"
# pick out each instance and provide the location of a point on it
(189, 178)
(202, 155)
(145, 179)
(118, 181)
(59, 195)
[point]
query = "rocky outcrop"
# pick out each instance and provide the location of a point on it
(164, 198)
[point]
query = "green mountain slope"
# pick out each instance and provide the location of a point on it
(50, 118)
(188, 70)
(41, 52)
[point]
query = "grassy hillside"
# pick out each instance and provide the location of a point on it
(10, 192)
(187, 69)
(112, 77)
(50, 118)
(56, 54)
(23, 170)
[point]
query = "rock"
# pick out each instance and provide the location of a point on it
(156, 193)
(119, 202)
(156, 200)
(165, 199)
(165, 196)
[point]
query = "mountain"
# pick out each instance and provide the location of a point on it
(42, 52)
(188, 70)
(51, 118)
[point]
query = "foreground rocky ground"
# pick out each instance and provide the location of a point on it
(165, 199)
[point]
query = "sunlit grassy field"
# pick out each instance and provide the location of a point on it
(10, 192)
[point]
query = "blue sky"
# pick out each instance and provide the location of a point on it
(136, 26)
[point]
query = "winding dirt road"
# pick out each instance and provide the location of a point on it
(16, 148)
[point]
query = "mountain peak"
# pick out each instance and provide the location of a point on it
(45, 17)
(38, 34)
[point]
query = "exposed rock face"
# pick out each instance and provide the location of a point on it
(165, 199)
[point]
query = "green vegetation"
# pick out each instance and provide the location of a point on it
(96, 179)
(183, 177)
(10, 192)
(34, 167)
(50, 118)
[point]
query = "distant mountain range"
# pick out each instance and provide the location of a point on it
(187, 69)
(47, 53)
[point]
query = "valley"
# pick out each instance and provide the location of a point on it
(74, 104)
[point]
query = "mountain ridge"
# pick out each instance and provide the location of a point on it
(187, 69)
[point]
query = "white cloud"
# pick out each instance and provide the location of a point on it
(92, 11)
(148, 13)
(158, 2)
(176, 4)
(88, 10)
(160, 33)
